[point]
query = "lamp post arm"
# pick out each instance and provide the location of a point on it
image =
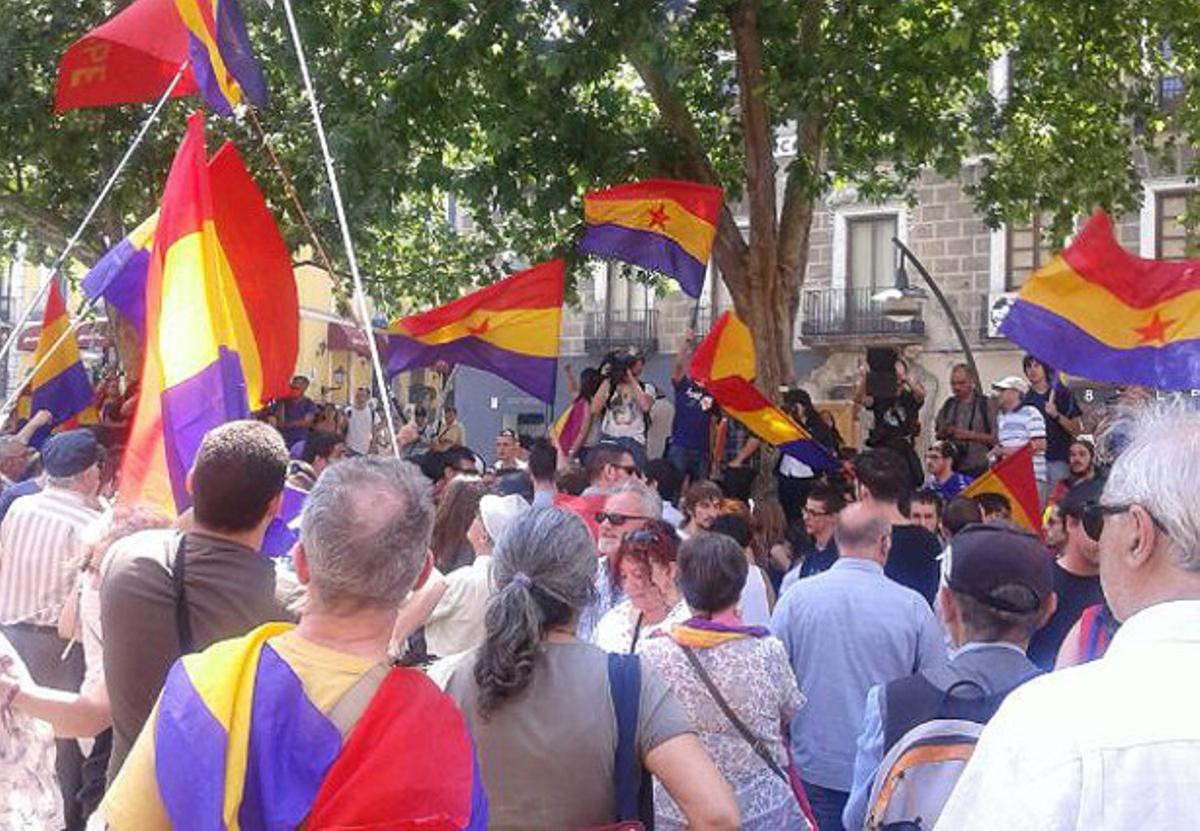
(945, 304)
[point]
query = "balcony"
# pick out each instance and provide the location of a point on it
(616, 329)
(850, 316)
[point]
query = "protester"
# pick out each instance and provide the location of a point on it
(42, 545)
(817, 549)
(665, 478)
(166, 594)
(16, 453)
(459, 507)
(507, 452)
(994, 506)
(321, 449)
(622, 403)
(542, 708)
(758, 597)
(701, 505)
(940, 460)
(896, 419)
(1081, 464)
(967, 419)
(361, 423)
(543, 465)
(958, 514)
(845, 631)
(644, 570)
(925, 510)
(793, 477)
(739, 459)
(1089, 638)
(609, 465)
(456, 623)
(997, 591)
(690, 447)
(578, 429)
(451, 434)
(30, 798)
(1019, 424)
(912, 561)
(296, 413)
(1115, 743)
(748, 669)
(325, 715)
(1076, 574)
(1060, 411)
(658, 431)
(1054, 528)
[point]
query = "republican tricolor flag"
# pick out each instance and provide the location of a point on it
(1013, 478)
(61, 386)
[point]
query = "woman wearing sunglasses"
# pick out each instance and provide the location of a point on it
(644, 570)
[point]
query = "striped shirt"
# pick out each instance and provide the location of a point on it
(1019, 428)
(41, 549)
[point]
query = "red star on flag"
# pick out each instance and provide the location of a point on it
(1155, 331)
(658, 217)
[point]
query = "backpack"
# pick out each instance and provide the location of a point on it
(930, 735)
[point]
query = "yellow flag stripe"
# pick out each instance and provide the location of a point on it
(689, 231)
(525, 331)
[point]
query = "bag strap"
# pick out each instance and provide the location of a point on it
(754, 741)
(183, 621)
(353, 703)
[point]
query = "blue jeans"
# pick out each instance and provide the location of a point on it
(693, 464)
(827, 806)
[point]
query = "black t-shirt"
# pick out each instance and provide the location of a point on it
(1058, 440)
(1075, 594)
(913, 560)
(895, 418)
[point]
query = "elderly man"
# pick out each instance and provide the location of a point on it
(166, 594)
(42, 543)
(969, 420)
(325, 719)
(1115, 743)
(846, 630)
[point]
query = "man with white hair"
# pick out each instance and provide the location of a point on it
(307, 725)
(1113, 744)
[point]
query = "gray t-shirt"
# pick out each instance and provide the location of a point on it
(547, 755)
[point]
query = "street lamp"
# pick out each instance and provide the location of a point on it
(902, 302)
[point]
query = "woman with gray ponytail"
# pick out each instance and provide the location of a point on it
(543, 712)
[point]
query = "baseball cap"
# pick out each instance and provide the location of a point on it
(1079, 497)
(71, 452)
(1012, 382)
(984, 557)
(499, 512)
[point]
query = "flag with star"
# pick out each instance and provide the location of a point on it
(1107, 315)
(660, 225)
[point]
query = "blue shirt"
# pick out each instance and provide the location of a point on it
(949, 489)
(816, 560)
(14, 492)
(693, 406)
(845, 631)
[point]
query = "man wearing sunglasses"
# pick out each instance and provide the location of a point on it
(1076, 573)
(1115, 743)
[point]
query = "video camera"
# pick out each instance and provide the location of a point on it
(616, 364)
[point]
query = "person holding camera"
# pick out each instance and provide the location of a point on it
(968, 419)
(897, 416)
(623, 403)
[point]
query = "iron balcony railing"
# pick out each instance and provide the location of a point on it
(616, 329)
(851, 313)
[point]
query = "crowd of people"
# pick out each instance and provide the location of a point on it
(612, 623)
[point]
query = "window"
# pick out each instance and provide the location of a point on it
(1027, 252)
(627, 299)
(1170, 87)
(870, 255)
(1173, 240)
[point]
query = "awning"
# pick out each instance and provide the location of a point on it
(349, 338)
(92, 337)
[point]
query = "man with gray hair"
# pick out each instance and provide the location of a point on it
(1115, 743)
(338, 721)
(846, 630)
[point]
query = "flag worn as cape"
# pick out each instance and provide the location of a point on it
(725, 364)
(1013, 479)
(1099, 312)
(62, 386)
(661, 225)
(510, 329)
(243, 741)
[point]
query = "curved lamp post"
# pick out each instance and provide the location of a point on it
(903, 302)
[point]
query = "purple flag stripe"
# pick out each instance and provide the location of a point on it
(206, 79)
(234, 44)
(120, 278)
(66, 394)
(292, 745)
(211, 397)
(189, 756)
(810, 452)
(479, 803)
(280, 538)
(1174, 366)
(536, 375)
(648, 250)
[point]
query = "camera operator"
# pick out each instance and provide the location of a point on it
(897, 418)
(623, 402)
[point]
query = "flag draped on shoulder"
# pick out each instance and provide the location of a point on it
(660, 225)
(61, 386)
(510, 329)
(239, 743)
(1099, 312)
(725, 364)
(220, 334)
(1013, 478)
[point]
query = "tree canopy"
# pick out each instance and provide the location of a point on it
(516, 107)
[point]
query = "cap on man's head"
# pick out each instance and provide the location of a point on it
(1079, 497)
(71, 452)
(507, 433)
(985, 558)
(499, 512)
(1012, 382)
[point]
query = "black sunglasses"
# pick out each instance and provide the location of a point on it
(617, 520)
(1093, 514)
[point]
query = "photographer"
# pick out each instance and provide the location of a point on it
(897, 417)
(967, 419)
(623, 402)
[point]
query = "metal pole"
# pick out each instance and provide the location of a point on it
(945, 304)
(360, 296)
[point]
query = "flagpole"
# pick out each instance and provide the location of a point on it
(360, 296)
(91, 213)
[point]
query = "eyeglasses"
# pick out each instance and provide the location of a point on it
(630, 470)
(1093, 516)
(617, 520)
(810, 512)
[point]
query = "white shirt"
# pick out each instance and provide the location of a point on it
(1106, 746)
(754, 603)
(1018, 428)
(361, 429)
(456, 623)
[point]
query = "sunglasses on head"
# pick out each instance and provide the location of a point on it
(646, 536)
(616, 520)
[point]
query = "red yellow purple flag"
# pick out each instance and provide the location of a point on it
(509, 329)
(725, 364)
(61, 386)
(660, 224)
(1013, 479)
